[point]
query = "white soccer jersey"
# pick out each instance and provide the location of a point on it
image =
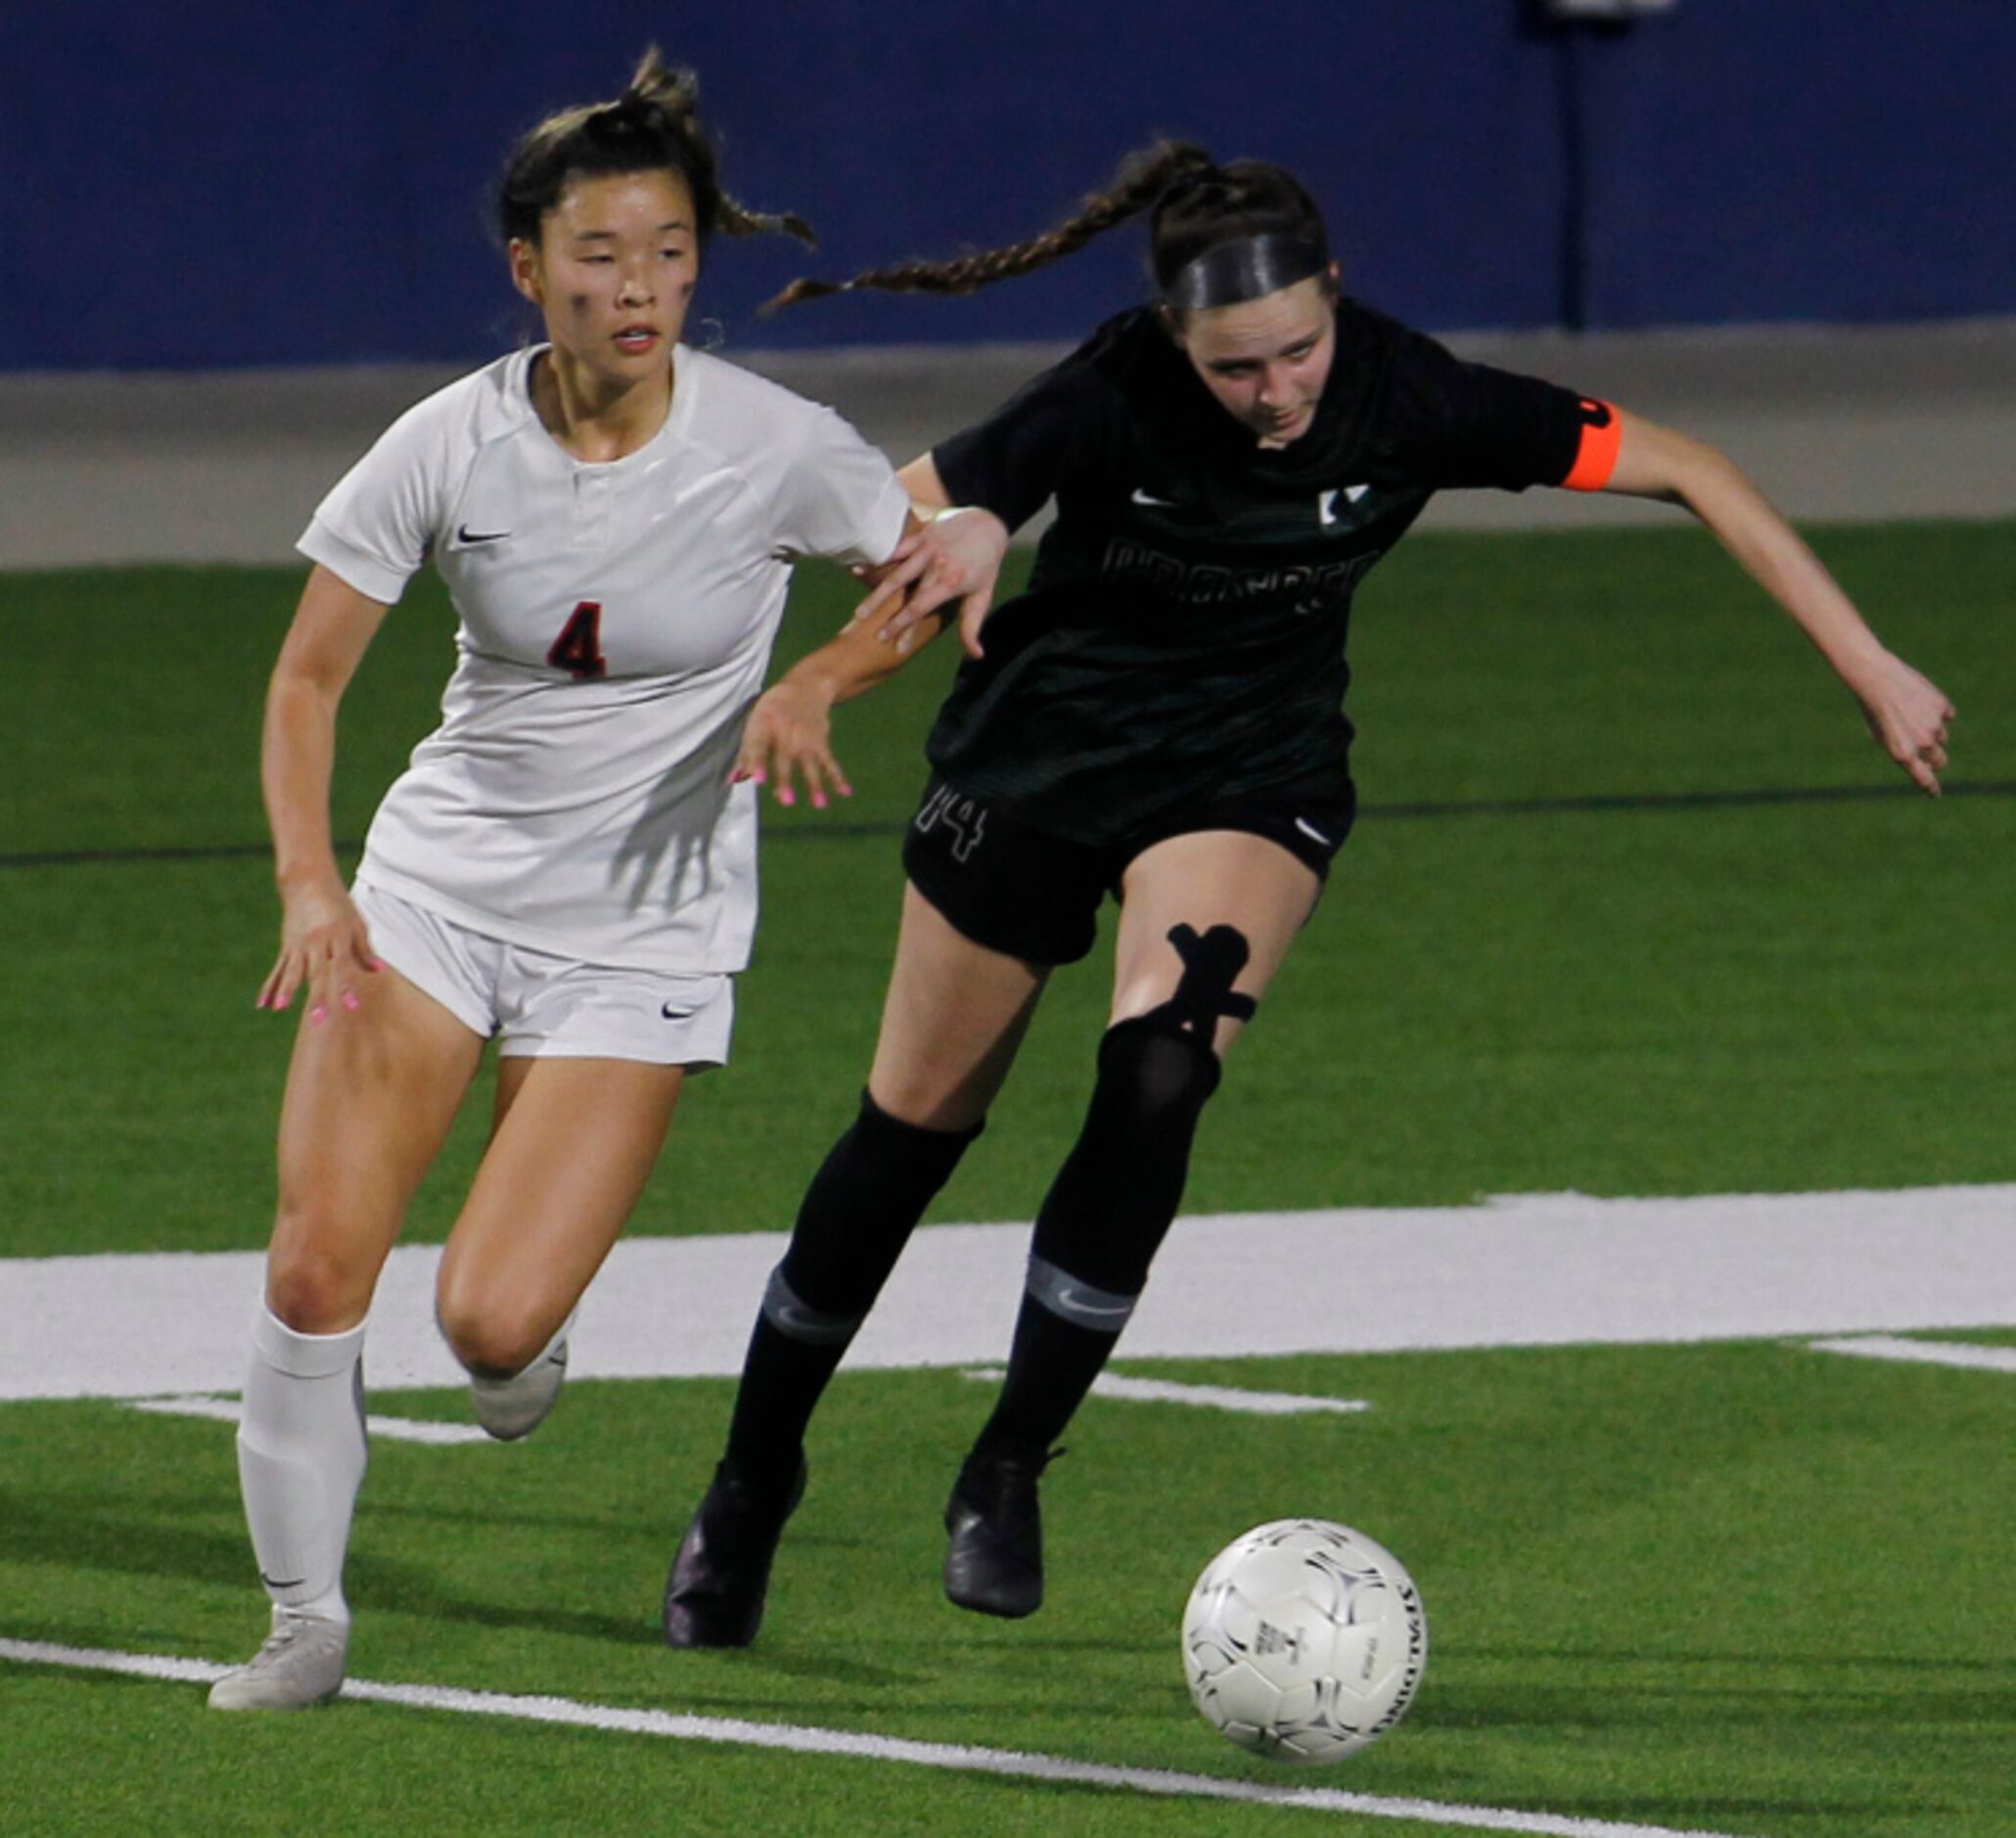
(616, 623)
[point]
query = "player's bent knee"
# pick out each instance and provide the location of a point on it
(314, 1290)
(493, 1339)
(927, 1106)
(1155, 1072)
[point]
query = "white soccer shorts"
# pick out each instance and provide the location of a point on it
(539, 1006)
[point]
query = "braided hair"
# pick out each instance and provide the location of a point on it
(1140, 181)
(1194, 205)
(652, 126)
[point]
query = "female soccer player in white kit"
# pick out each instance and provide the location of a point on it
(569, 863)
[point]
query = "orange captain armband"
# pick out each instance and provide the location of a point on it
(1596, 459)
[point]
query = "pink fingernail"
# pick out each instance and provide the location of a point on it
(759, 777)
(318, 1014)
(349, 1000)
(787, 797)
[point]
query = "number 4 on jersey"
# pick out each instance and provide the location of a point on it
(579, 649)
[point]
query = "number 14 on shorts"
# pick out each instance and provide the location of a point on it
(965, 818)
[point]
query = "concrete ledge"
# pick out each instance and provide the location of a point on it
(1836, 425)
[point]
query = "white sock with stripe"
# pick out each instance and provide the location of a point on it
(301, 1452)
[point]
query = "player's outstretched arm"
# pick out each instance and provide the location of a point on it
(954, 553)
(323, 941)
(789, 734)
(1906, 712)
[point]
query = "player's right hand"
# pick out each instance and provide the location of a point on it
(1907, 716)
(789, 735)
(324, 946)
(957, 557)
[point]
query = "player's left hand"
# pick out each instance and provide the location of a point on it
(1907, 714)
(957, 557)
(788, 737)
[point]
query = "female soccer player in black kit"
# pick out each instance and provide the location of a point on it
(1158, 716)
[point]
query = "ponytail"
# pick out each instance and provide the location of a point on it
(654, 125)
(1141, 180)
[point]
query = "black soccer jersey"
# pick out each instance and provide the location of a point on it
(1183, 630)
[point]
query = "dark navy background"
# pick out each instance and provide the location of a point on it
(229, 183)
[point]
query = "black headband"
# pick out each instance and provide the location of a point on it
(1248, 270)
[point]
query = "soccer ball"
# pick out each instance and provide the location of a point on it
(1304, 1640)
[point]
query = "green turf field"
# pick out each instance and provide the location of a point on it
(1634, 908)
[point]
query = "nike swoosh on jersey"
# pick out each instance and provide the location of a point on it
(669, 1013)
(472, 538)
(1311, 830)
(1144, 497)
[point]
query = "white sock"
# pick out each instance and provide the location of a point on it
(300, 1460)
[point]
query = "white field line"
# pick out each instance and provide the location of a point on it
(1922, 1351)
(1204, 1397)
(1532, 1270)
(393, 1429)
(798, 1739)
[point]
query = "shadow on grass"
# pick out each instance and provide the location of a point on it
(656, 1528)
(95, 1533)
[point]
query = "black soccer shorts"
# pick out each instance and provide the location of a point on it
(1034, 895)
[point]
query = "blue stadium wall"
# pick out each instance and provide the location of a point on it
(229, 183)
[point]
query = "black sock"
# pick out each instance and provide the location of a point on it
(782, 1382)
(857, 1215)
(1050, 1369)
(1102, 1222)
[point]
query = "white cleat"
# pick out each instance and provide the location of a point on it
(516, 1407)
(301, 1666)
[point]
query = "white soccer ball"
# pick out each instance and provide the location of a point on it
(1304, 1640)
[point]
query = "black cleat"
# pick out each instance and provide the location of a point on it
(995, 1563)
(714, 1594)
